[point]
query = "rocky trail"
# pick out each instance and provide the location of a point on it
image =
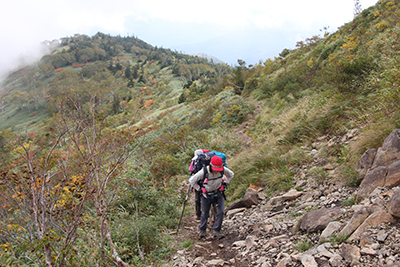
(270, 234)
(315, 224)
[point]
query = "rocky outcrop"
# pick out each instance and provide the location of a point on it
(374, 178)
(365, 162)
(389, 152)
(385, 168)
(394, 205)
(393, 175)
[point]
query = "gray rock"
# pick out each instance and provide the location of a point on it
(393, 175)
(394, 204)
(336, 261)
(389, 152)
(374, 219)
(217, 262)
(372, 180)
(318, 219)
(250, 198)
(365, 162)
(356, 220)
(250, 242)
(292, 194)
(350, 253)
(308, 261)
(234, 211)
(382, 236)
(368, 251)
(330, 229)
(284, 262)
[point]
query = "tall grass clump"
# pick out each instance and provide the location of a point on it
(373, 136)
(269, 167)
(143, 213)
(303, 245)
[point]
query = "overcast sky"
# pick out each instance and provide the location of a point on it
(251, 30)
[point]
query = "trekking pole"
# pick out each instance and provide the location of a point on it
(183, 209)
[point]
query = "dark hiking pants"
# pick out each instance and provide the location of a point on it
(197, 202)
(205, 211)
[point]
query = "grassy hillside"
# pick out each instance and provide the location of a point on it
(168, 105)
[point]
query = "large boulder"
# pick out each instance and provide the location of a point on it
(365, 162)
(374, 178)
(389, 152)
(393, 175)
(318, 219)
(385, 169)
(394, 204)
(250, 198)
(356, 220)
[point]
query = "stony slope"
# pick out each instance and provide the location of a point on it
(317, 225)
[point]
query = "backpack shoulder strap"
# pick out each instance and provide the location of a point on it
(205, 171)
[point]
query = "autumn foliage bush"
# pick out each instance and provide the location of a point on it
(80, 65)
(149, 103)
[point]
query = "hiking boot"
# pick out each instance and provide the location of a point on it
(202, 234)
(218, 234)
(198, 218)
(212, 223)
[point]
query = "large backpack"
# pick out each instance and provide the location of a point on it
(203, 162)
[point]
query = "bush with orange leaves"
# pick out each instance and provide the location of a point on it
(82, 64)
(149, 103)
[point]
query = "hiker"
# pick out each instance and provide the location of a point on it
(197, 193)
(216, 177)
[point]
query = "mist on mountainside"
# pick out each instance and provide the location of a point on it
(10, 62)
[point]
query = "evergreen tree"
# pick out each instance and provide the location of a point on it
(128, 72)
(135, 74)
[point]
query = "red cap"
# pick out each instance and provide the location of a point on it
(216, 164)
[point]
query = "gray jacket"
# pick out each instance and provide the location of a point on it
(212, 184)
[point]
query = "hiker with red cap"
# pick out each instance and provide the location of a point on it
(215, 178)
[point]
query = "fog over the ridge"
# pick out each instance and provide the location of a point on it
(253, 30)
(12, 61)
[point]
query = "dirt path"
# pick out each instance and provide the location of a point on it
(210, 248)
(206, 249)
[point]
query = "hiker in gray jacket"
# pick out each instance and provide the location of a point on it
(216, 178)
